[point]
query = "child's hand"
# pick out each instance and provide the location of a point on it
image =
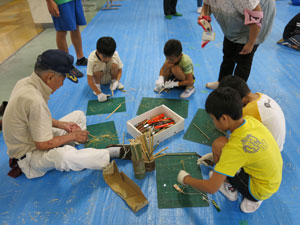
(181, 175)
(160, 82)
(102, 97)
(171, 84)
(208, 156)
(114, 84)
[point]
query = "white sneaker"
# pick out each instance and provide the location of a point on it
(199, 10)
(228, 191)
(120, 86)
(248, 206)
(187, 92)
(212, 85)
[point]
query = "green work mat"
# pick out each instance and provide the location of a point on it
(167, 169)
(95, 107)
(178, 106)
(101, 135)
(205, 123)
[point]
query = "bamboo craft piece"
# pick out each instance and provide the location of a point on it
(146, 141)
(137, 159)
(114, 111)
(204, 134)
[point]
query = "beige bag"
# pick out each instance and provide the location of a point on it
(124, 187)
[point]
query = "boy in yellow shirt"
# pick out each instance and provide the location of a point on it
(249, 161)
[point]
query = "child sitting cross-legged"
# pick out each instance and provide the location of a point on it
(249, 161)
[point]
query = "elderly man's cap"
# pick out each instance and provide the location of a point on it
(56, 60)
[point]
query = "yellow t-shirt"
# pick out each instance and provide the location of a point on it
(253, 148)
(267, 111)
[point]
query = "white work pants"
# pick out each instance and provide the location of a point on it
(64, 158)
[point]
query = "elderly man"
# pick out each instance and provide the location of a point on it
(37, 143)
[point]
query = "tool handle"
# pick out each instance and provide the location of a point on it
(215, 205)
(153, 120)
(163, 125)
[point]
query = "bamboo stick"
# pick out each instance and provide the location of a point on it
(198, 128)
(161, 90)
(93, 136)
(114, 111)
(161, 151)
(159, 156)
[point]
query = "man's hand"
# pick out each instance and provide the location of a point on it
(208, 156)
(53, 8)
(204, 22)
(114, 84)
(81, 136)
(181, 175)
(171, 84)
(70, 127)
(102, 97)
(247, 49)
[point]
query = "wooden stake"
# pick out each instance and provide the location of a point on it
(204, 134)
(114, 111)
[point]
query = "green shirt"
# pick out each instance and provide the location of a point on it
(59, 2)
(186, 64)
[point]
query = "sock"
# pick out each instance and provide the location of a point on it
(114, 152)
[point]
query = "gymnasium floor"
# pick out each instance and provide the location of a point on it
(140, 32)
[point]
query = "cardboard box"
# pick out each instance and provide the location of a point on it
(163, 135)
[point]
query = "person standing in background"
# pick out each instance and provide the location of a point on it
(170, 9)
(68, 15)
(199, 6)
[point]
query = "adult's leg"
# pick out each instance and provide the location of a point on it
(199, 3)
(167, 7)
(228, 64)
(173, 6)
(77, 42)
(61, 40)
(65, 158)
(244, 63)
(217, 147)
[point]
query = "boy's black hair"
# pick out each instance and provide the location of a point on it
(236, 83)
(106, 46)
(224, 100)
(173, 48)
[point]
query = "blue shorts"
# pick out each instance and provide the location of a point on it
(71, 16)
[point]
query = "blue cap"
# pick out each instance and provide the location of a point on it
(56, 60)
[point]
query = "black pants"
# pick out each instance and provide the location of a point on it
(170, 7)
(241, 182)
(234, 63)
